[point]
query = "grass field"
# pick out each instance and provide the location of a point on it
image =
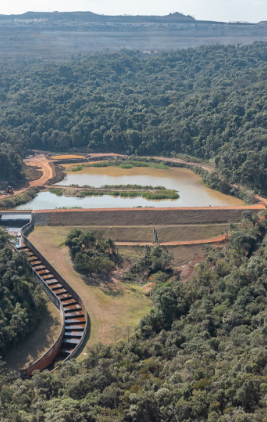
(145, 233)
(33, 346)
(111, 305)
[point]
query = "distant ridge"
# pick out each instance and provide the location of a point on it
(93, 17)
(57, 35)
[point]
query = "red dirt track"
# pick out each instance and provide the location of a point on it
(41, 162)
(191, 242)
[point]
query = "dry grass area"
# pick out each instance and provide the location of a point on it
(35, 344)
(111, 305)
(190, 232)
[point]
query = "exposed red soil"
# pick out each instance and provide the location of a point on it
(62, 157)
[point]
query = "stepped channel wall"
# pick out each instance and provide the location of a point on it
(48, 358)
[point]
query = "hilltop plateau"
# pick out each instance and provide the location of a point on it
(57, 35)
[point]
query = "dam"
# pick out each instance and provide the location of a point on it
(73, 313)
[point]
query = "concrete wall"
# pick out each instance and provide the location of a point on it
(140, 217)
(48, 358)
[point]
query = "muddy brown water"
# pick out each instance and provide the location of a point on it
(192, 192)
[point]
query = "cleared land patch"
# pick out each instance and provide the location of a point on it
(35, 344)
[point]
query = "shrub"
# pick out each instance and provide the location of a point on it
(56, 191)
(100, 165)
(126, 166)
(78, 168)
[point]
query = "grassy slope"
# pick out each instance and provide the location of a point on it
(33, 346)
(165, 233)
(109, 303)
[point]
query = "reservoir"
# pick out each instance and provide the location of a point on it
(192, 192)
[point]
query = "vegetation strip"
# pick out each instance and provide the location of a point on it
(128, 164)
(165, 194)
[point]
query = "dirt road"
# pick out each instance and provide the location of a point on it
(37, 161)
(179, 160)
(191, 242)
(42, 162)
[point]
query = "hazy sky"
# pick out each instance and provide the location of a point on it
(220, 10)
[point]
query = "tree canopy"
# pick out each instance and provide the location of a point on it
(21, 300)
(199, 355)
(89, 251)
(208, 102)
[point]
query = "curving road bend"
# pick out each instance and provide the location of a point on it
(37, 161)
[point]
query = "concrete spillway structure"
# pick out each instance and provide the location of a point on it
(14, 219)
(70, 305)
(74, 317)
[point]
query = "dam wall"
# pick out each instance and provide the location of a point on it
(141, 216)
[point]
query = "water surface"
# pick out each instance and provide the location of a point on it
(192, 192)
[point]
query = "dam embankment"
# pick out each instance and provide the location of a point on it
(141, 216)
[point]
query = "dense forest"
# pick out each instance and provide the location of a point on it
(21, 300)
(207, 102)
(200, 355)
(90, 252)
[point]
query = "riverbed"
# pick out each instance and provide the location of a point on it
(192, 192)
